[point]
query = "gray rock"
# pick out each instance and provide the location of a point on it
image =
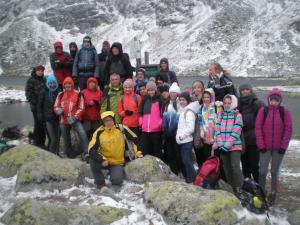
(147, 169)
(28, 212)
(294, 217)
(187, 204)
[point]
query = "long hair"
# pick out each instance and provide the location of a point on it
(220, 69)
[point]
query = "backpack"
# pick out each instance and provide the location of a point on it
(209, 173)
(253, 197)
(281, 112)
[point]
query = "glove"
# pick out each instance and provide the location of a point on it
(58, 64)
(59, 111)
(263, 150)
(224, 149)
(71, 120)
(281, 151)
(128, 112)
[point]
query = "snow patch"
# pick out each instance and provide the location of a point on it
(8, 95)
(291, 89)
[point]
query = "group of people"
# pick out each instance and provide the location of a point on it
(117, 117)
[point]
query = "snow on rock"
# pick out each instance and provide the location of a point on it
(8, 95)
(292, 88)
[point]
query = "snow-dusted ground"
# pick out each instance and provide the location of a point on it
(291, 89)
(8, 95)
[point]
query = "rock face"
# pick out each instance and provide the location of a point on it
(294, 217)
(187, 204)
(28, 212)
(148, 169)
(249, 37)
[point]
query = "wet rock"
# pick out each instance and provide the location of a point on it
(294, 217)
(28, 212)
(187, 204)
(147, 169)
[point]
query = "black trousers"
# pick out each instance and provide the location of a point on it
(39, 131)
(202, 154)
(250, 162)
(173, 157)
(151, 143)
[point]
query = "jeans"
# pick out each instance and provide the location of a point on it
(186, 156)
(53, 134)
(250, 161)
(231, 164)
(66, 133)
(264, 161)
(116, 173)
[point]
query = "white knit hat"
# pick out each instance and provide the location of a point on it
(174, 88)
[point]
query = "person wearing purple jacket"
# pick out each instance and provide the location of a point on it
(273, 131)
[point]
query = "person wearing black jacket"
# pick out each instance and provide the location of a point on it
(221, 83)
(103, 57)
(119, 63)
(164, 72)
(248, 106)
(33, 86)
(46, 113)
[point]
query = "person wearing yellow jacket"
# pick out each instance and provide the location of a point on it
(107, 149)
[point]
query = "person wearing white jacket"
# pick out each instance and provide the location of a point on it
(184, 135)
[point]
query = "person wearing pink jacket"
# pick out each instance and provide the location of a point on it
(273, 131)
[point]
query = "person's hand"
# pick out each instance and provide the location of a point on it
(139, 155)
(91, 103)
(281, 151)
(128, 112)
(105, 163)
(215, 146)
(72, 120)
(263, 150)
(59, 111)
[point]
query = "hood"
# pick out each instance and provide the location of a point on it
(234, 102)
(73, 44)
(194, 106)
(128, 82)
(92, 79)
(33, 72)
(117, 45)
(245, 86)
(164, 60)
(58, 44)
(70, 81)
(51, 79)
(276, 92)
(211, 92)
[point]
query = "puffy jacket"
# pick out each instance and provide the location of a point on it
(110, 101)
(110, 144)
(92, 112)
(229, 128)
(150, 114)
(249, 107)
(47, 97)
(167, 75)
(63, 68)
(170, 119)
(33, 87)
(71, 102)
(86, 63)
(103, 57)
(129, 103)
(137, 85)
(273, 134)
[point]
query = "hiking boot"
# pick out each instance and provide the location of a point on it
(271, 198)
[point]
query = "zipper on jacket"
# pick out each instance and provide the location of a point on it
(273, 129)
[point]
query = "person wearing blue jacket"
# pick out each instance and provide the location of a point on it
(86, 63)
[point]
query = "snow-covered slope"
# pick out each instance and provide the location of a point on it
(249, 37)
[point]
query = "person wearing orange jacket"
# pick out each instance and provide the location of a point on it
(128, 106)
(92, 97)
(69, 106)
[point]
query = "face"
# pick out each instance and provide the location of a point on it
(58, 50)
(115, 81)
(108, 122)
(197, 89)
(72, 48)
(151, 92)
(143, 91)
(245, 92)
(173, 95)
(68, 87)
(164, 66)
(105, 47)
(183, 102)
(140, 76)
(274, 102)
(159, 83)
(92, 85)
(39, 73)
(52, 85)
(86, 44)
(165, 95)
(115, 51)
(206, 98)
(212, 71)
(127, 89)
(227, 103)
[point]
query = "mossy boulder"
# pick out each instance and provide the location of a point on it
(12, 160)
(148, 169)
(294, 217)
(187, 204)
(51, 174)
(28, 212)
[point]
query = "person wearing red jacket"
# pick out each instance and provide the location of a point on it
(61, 63)
(92, 97)
(128, 107)
(273, 131)
(69, 106)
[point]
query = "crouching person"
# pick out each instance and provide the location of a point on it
(107, 150)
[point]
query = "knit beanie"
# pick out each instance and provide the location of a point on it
(151, 85)
(245, 86)
(175, 88)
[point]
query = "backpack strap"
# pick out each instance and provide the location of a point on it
(281, 111)
(266, 111)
